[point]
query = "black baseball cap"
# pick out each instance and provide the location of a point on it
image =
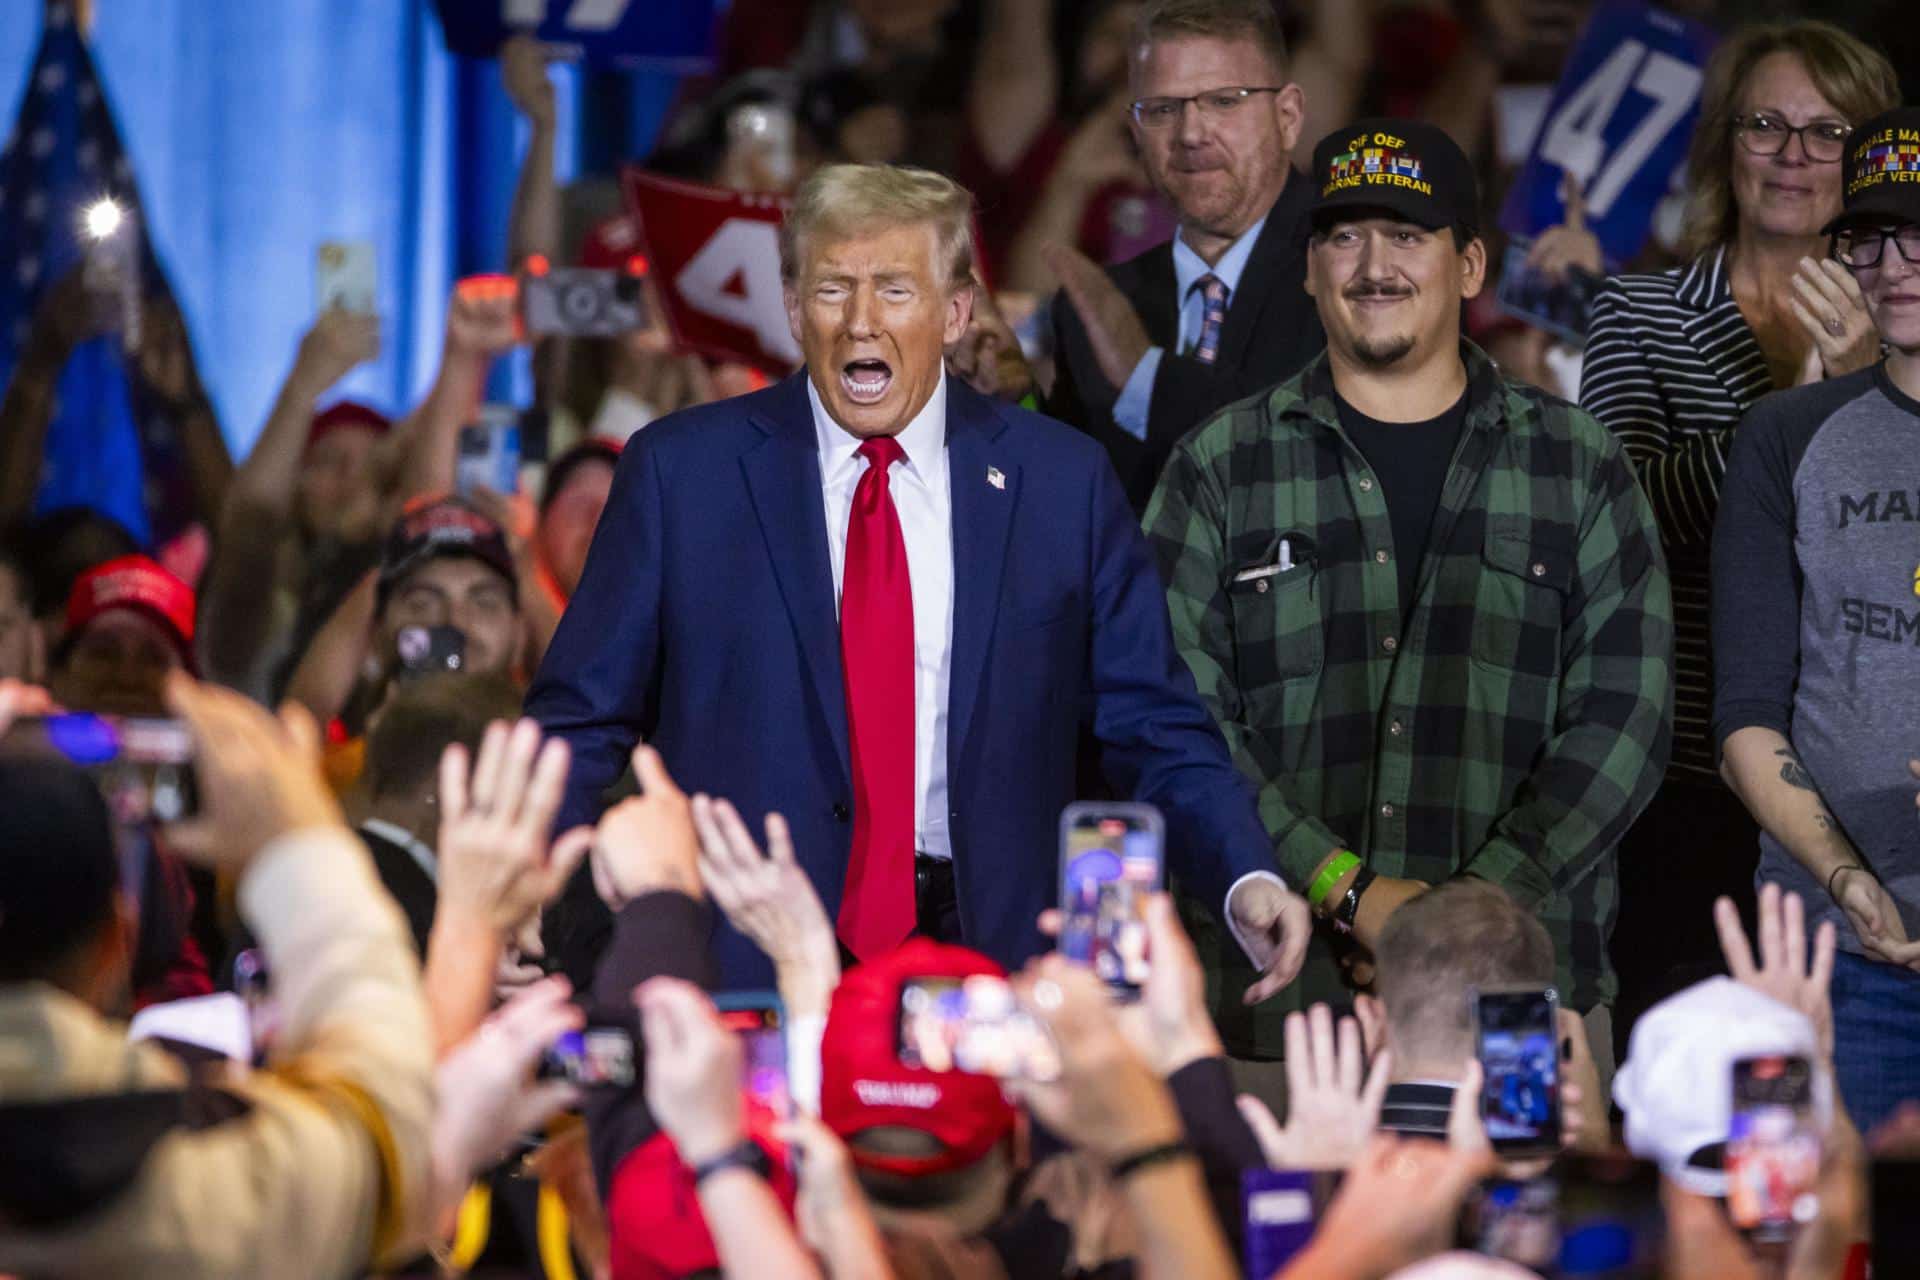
(443, 527)
(1405, 168)
(1881, 179)
(59, 867)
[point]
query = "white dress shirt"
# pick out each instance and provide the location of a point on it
(1136, 397)
(923, 500)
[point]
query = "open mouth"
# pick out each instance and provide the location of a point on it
(866, 381)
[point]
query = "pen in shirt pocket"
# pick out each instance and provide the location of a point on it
(1287, 551)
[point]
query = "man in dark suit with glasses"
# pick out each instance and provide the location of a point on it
(1148, 348)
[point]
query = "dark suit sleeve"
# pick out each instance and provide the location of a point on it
(1071, 402)
(1161, 745)
(1187, 392)
(595, 688)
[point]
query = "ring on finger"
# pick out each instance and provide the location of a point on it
(1835, 326)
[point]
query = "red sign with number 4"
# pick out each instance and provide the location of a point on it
(715, 256)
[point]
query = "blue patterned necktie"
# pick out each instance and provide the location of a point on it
(1213, 295)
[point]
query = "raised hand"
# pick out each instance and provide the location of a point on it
(768, 897)
(831, 1210)
(1107, 1100)
(1114, 328)
(1331, 1113)
(259, 776)
(338, 343)
(1783, 971)
(523, 69)
(693, 1069)
(18, 698)
(1570, 245)
(495, 864)
(1400, 1202)
(483, 318)
(647, 842)
(1169, 1024)
(487, 1092)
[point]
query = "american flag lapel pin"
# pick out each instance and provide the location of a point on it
(996, 479)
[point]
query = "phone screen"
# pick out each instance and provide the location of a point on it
(1519, 1050)
(425, 651)
(973, 1024)
(1591, 1216)
(1112, 857)
(343, 276)
(1519, 1221)
(1773, 1146)
(143, 765)
(487, 455)
(760, 1022)
(591, 1056)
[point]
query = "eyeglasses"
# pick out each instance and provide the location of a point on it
(1160, 113)
(1864, 246)
(1823, 141)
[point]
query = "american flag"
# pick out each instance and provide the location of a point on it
(104, 448)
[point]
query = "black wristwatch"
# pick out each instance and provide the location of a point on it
(746, 1154)
(1349, 906)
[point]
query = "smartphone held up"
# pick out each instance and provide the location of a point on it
(143, 765)
(1773, 1147)
(1517, 1039)
(1112, 859)
(973, 1024)
(760, 1020)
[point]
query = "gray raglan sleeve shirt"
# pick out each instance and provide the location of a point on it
(1816, 614)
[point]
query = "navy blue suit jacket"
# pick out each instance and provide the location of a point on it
(705, 624)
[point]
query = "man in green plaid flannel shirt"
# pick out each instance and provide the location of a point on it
(1507, 719)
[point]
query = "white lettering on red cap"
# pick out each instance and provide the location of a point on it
(897, 1093)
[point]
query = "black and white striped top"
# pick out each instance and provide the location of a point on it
(1671, 366)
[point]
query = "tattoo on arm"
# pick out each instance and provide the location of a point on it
(1792, 772)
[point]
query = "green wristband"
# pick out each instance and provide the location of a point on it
(1322, 885)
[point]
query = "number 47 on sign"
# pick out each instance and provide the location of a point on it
(1618, 125)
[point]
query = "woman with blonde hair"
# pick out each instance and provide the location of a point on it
(1673, 360)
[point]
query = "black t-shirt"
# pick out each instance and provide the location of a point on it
(1410, 459)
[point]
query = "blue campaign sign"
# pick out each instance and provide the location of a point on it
(671, 34)
(1619, 124)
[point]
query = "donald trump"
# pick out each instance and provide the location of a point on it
(882, 604)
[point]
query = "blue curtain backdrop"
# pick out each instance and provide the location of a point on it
(258, 130)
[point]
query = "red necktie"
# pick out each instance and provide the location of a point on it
(876, 658)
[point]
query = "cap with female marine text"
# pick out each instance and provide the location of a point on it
(1880, 180)
(1404, 168)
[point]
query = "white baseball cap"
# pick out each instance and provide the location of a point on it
(1676, 1086)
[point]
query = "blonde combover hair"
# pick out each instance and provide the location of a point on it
(1856, 78)
(843, 200)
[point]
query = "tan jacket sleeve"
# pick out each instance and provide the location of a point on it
(318, 1177)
